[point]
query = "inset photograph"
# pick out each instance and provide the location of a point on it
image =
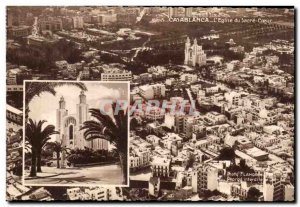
(75, 133)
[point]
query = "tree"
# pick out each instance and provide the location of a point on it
(190, 161)
(226, 153)
(133, 123)
(112, 128)
(57, 148)
(253, 194)
(37, 137)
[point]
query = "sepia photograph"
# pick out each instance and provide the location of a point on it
(157, 103)
(68, 140)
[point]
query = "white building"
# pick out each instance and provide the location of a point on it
(194, 54)
(74, 193)
(207, 178)
(154, 140)
(169, 120)
(68, 126)
(161, 167)
(215, 118)
(115, 74)
(153, 91)
(189, 78)
(14, 115)
(154, 113)
(233, 97)
(11, 76)
(139, 154)
(275, 187)
(97, 193)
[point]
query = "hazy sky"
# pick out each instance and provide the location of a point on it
(44, 107)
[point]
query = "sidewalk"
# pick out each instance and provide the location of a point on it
(108, 174)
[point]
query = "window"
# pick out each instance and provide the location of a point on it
(71, 132)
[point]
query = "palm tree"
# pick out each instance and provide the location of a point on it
(37, 137)
(57, 148)
(112, 128)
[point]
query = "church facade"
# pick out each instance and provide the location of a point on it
(194, 54)
(68, 126)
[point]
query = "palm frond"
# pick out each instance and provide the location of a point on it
(103, 118)
(37, 88)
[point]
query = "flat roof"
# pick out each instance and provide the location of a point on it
(13, 109)
(256, 152)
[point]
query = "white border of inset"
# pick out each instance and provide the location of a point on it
(74, 185)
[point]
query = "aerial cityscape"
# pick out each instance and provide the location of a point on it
(209, 115)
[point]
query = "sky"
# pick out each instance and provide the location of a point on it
(44, 107)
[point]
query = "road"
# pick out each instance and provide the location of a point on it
(140, 17)
(108, 175)
(140, 49)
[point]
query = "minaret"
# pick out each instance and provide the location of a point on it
(61, 112)
(186, 51)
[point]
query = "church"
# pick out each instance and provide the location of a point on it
(68, 126)
(194, 54)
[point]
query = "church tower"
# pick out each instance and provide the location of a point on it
(61, 112)
(82, 109)
(195, 43)
(186, 51)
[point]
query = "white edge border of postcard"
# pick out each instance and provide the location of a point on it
(74, 185)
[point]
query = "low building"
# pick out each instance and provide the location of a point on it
(116, 74)
(153, 91)
(14, 115)
(50, 23)
(189, 78)
(215, 118)
(257, 154)
(154, 113)
(18, 31)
